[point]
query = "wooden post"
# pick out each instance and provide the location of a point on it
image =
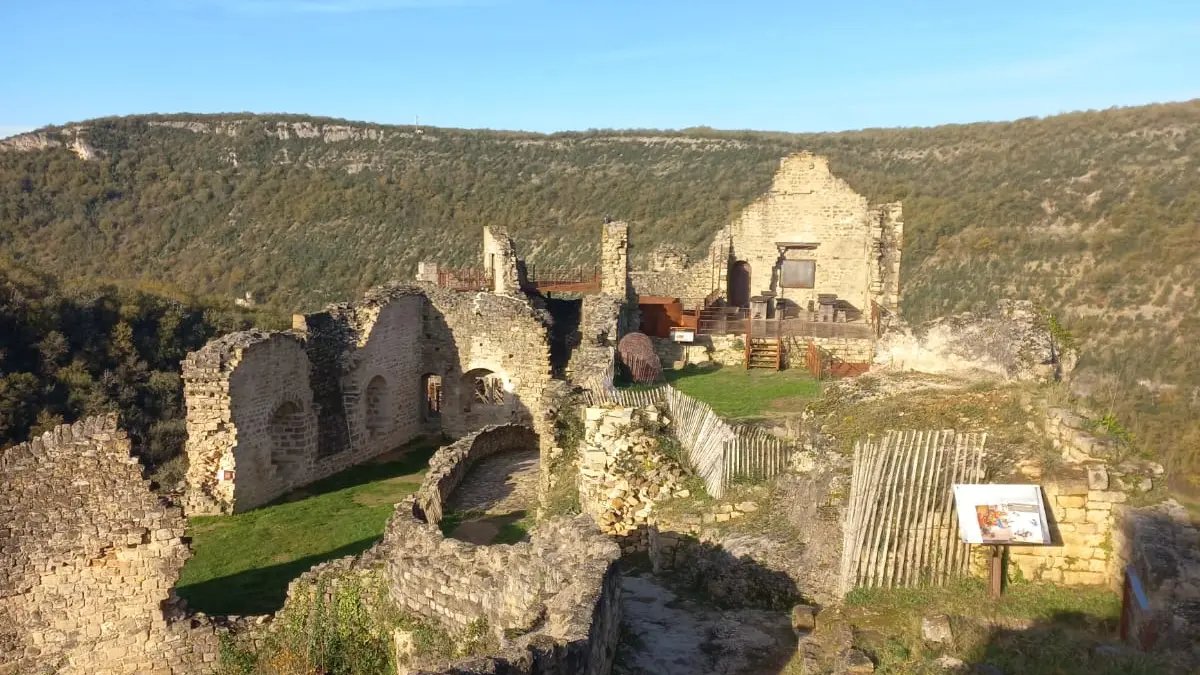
(996, 572)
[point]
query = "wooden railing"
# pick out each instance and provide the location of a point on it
(579, 279)
(470, 279)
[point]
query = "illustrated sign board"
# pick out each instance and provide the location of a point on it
(1001, 514)
(683, 335)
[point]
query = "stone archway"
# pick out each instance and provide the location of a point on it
(481, 387)
(739, 284)
(380, 413)
(288, 429)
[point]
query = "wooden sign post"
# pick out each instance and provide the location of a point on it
(996, 571)
(997, 515)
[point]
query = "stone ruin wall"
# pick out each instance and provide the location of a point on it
(451, 464)
(730, 350)
(272, 411)
(1084, 503)
(91, 557)
(560, 590)
(858, 256)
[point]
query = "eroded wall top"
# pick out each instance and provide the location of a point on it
(90, 558)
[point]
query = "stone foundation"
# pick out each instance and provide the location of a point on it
(559, 591)
(90, 559)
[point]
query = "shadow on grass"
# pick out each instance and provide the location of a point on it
(404, 461)
(261, 590)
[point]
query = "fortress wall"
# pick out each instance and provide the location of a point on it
(91, 556)
(857, 254)
(272, 411)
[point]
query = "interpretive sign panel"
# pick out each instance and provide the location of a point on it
(1001, 514)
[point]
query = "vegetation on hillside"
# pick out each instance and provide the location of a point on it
(1092, 215)
(67, 351)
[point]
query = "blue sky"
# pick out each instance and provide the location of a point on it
(548, 66)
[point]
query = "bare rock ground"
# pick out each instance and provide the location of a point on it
(500, 489)
(666, 634)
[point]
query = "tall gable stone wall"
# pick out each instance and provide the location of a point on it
(90, 557)
(858, 244)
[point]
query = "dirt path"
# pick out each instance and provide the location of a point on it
(500, 490)
(665, 634)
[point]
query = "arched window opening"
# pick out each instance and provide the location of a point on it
(482, 387)
(379, 407)
(288, 429)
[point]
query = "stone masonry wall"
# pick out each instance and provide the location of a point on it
(1161, 546)
(614, 260)
(622, 474)
(559, 590)
(90, 558)
(252, 430)
(858, 245)
(730, 350)
(270, 412)
(450, 465)
(1082, 502)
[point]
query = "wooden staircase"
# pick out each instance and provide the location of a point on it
(764, 351)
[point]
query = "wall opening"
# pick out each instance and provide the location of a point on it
(380, 413)
(564, 332)
(481, 388)
(431, 396)
(288, 430)
(739, 284)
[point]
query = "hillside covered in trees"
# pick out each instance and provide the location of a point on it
(83, 349)
(1095, 215)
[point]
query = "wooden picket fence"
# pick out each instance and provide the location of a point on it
(901, 529)
(629, 398)
(719, 451)
(755, 455)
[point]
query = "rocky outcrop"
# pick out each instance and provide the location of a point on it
(1010, 342)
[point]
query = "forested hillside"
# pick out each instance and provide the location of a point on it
(76, 350)
(1094, 215)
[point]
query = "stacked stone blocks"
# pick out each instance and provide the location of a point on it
(91, 556)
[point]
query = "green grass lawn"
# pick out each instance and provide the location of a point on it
(737, 393)
(242, 563)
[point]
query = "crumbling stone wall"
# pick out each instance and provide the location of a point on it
(90, 558)
(599, 330)
(252, 431)
(857, 252)
(450, 465)
(468, 333)
(1082, 501)
(560, 590)
(622, 474)
(270, 412)
(500, 264)
(1161, 546)
(614, 260)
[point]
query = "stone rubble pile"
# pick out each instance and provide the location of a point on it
(623, 474)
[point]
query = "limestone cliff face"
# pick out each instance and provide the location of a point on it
(1009, 342)
(72, 138)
